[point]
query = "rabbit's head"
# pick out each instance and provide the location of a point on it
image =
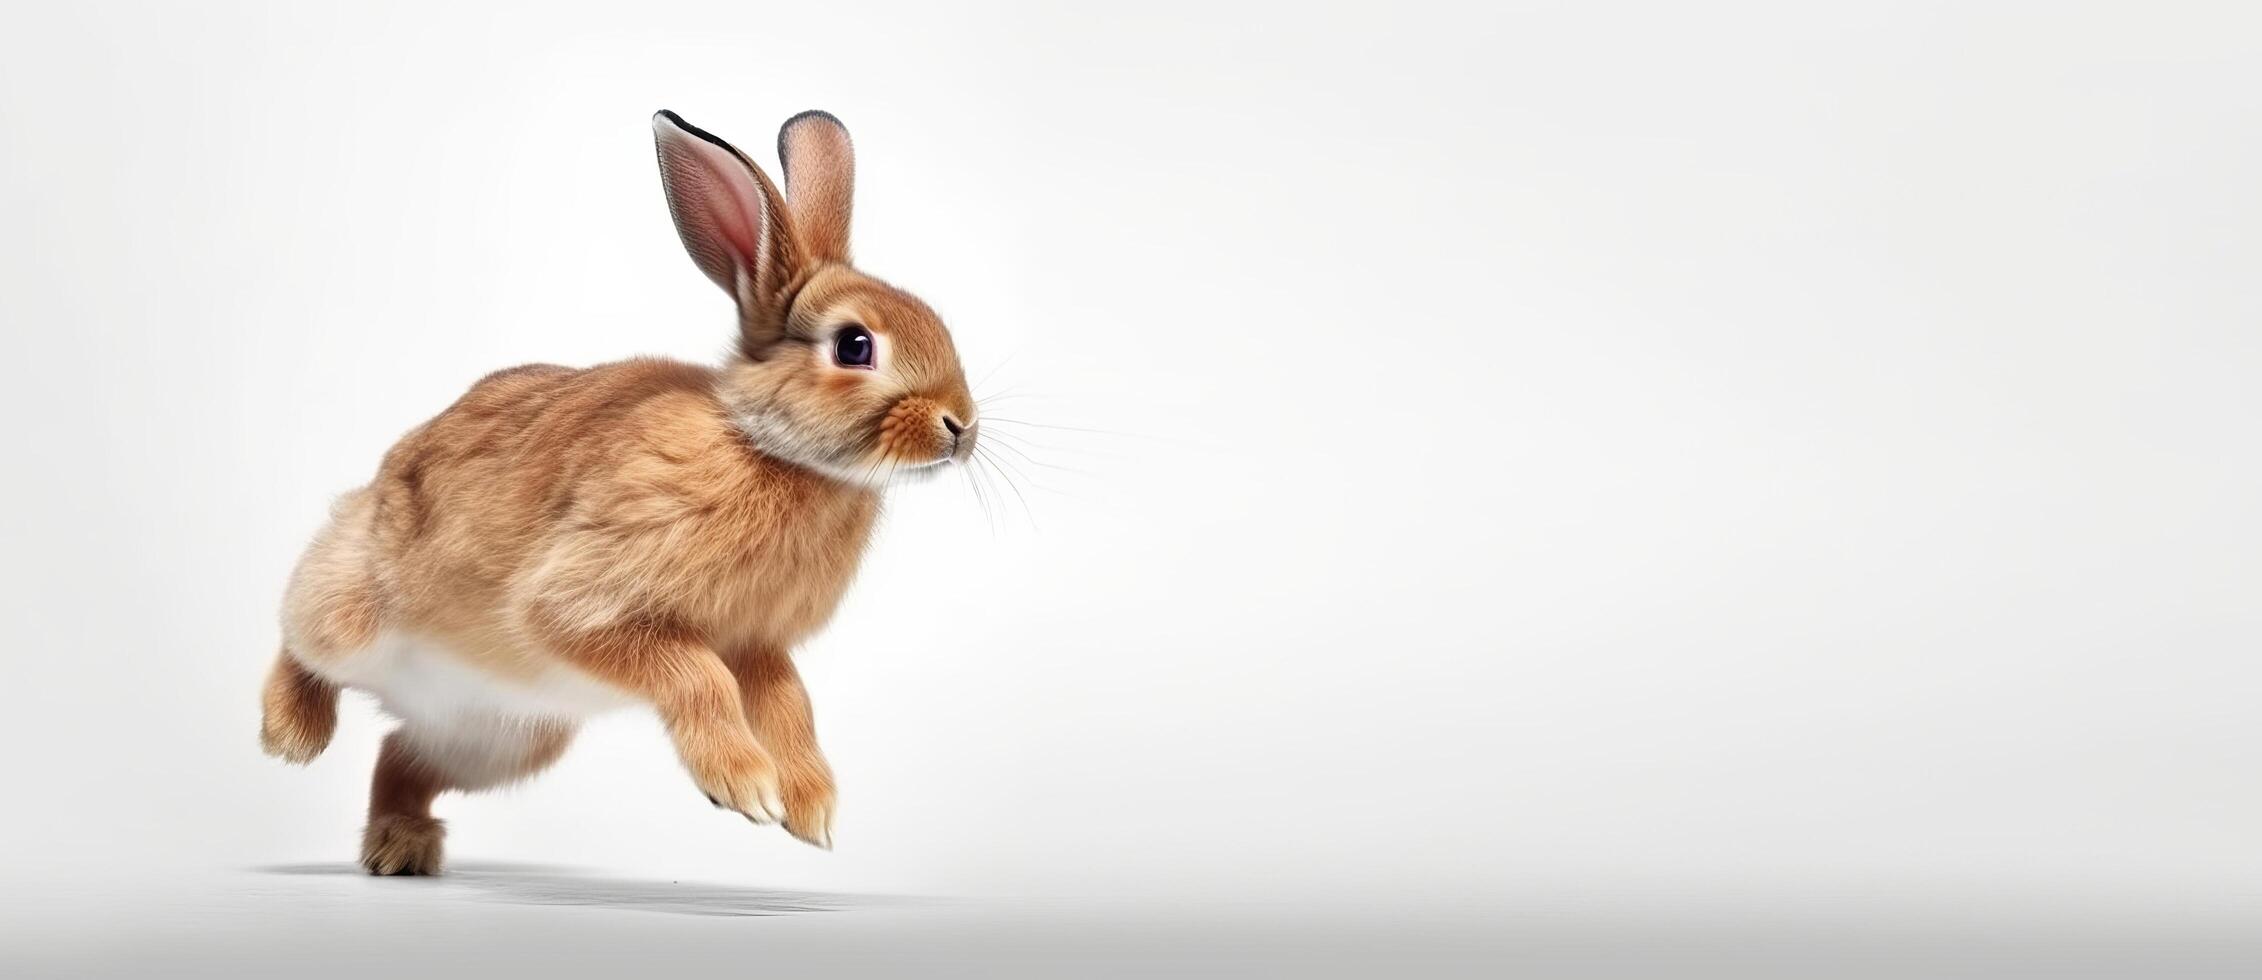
(833, 370)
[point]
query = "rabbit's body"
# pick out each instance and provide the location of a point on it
(548, 496)
(563, 542)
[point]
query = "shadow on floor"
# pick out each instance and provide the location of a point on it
(537, 884)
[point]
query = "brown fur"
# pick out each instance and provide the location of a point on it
(778, 709)
(299, 712)
(670, 530)
(819, 168)
(403, 838)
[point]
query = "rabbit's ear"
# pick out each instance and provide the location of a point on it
(820, 181)
(733, 223)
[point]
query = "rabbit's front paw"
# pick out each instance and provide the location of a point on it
(743, 781)
(809, 806)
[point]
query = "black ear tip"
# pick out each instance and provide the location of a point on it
(810, 114)
(666, 119)
(785, 132)
(677, 121)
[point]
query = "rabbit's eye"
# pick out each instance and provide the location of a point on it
(853, 347)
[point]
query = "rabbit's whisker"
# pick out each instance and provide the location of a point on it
(992, 463)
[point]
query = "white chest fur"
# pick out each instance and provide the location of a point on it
(418, 680)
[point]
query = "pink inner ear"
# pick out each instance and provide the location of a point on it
(718, 210)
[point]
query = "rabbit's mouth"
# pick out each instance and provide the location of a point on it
(893, 469)
(887, 457)
(919, 472)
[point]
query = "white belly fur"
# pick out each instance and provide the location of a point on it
(418, 681)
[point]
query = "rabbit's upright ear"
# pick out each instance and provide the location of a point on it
(733, 222)
(820, 181)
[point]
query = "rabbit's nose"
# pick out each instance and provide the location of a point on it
(961, 436)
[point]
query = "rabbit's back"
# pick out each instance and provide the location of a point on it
(552, 499)
(464, 503)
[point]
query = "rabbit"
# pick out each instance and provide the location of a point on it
(563, 542)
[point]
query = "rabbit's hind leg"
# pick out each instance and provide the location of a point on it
(298, 711)
(420, 761)
(329, 612)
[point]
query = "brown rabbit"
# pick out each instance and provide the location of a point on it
(560, 541)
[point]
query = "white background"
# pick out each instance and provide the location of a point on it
(1509, 448)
